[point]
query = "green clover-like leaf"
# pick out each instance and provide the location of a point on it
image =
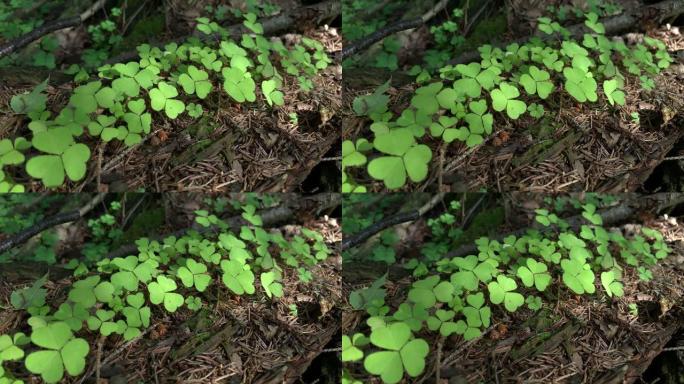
(537, 81)
(62, 351)
(534, 273)
(611, 284)
(272, 95)
(613, 94)
(400, 353)
(504, 97)
(238, 276)
(162, 291)
(162, 97)
(195, 81)
(194, 273)
(503, 291)
(239, 84)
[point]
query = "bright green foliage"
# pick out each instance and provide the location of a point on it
(535, 110)
(193, 303)
(194, 273)
(427, 291)
(534, 273)
(351, 350)
(406, 158)
(162, 97)
(474, 79)
(479, 123)
(272, 95)
(270, 285)
(578, 275)
(239, 84)
(195, 81)
(73, 315)
(137, 314)
(64, 155)
(103, 321)
(251, 23)
(194, 110)
(534, 302)
(580, 84)
(84, 97)
(505, 98)
(132, 272)
(106, 97)
(503, 291)
(611, 284)
(10, 347)
(62, 351)
(249, 214)
(477, 316)
(352, 154)
(162, 291)
(443, 128)
(471, 272)
(590, 214)
(138, 122)
(30, 103)
(90, 290)
(399, 353)
(537, 81)
(425, 99)
(593, 23)
(238, 276)
(10, 153)
(614, 95)
(442, 322)
(412, 315)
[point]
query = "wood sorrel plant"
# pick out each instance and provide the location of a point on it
(506, 83)
(461, 295)
(119, 297)
(120, 105)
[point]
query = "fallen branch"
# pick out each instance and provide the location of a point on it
(657, 202)
(60, 218)
(401, 25)
(269, 217)
(399, 218)
(613, 25)
(26, 39)
(316, 13)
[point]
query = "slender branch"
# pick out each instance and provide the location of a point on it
(269, 217)
(26, 39)
(657, 202)
(613, 25)
(60, 218)
(318, 13)
(365, 42)
(399, 218)
(28, 233)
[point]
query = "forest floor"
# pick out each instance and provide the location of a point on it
(232, 147)
(572, 339)
(231, 339)
(575, 147)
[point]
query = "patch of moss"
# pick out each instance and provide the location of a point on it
(141, 31)
(144, 225)
(485, 223)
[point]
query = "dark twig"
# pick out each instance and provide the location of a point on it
(317, 13)
(613, 25)
(269, 217)
(60, 218)
(612, 215)
(363, 43)
(399, 218)
(24, 40)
